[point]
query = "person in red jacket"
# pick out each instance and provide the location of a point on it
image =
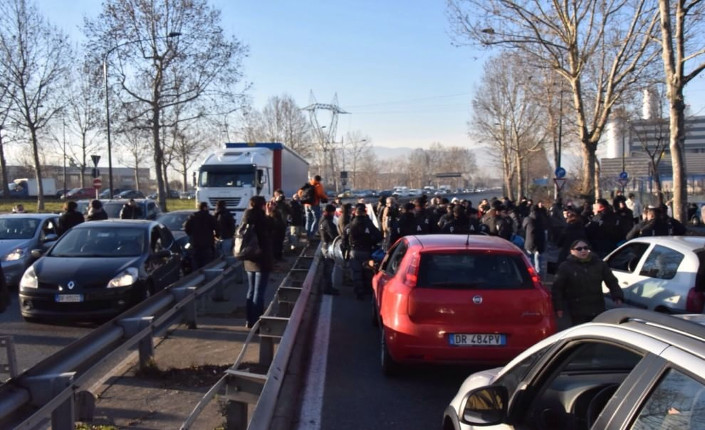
(313, 209)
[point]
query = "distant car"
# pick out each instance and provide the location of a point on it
(20, 234)
(60, 193)
(345, 194)
(174, 221)
(99, 269)
(150, 208)
(661, 273)
(628, 369)
(187, 195)
(129, 194)
(105, 194)
(457, 299)
(80, 193)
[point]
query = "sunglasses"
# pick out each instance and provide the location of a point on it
(582, 248)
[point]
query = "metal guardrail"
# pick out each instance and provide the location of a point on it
(47, 393)
(243, 388)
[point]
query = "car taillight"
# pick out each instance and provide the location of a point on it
(535, 278)
(412, 271)
(695, 301)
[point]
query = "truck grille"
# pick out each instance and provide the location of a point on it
(232, 202)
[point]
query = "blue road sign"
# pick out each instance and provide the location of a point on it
(560, 172)
(624, 175)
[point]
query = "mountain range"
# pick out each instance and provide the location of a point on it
(386, 153)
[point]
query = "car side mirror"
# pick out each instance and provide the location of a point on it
(485, 406)
(51, 237)
(36, 253)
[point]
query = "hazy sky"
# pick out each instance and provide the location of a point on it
(390, 62)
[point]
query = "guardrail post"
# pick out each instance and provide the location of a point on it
(11, 367)
(190, 315)
(44, 388)
(270, 328)
(241, 389)
(146, 345)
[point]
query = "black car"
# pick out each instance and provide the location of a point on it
(150, 209)
(98, 269)
(129, 194)
(174, 221)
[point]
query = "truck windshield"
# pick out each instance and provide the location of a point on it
(230, 176)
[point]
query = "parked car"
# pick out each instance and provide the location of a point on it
(99, 269)
(458, 299)
(129, 194)
(187, 195)
(60, 193)
(20, 234)
(105, 194)
(629, 368)
(150, 208)
(174, 221)
(661, 273)
(79, 193)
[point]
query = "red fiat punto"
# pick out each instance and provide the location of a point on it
(458, 299)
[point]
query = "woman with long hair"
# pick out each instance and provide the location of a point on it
(259, 267)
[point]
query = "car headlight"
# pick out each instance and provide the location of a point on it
(29, 279)
(15, 254)
(124, 279)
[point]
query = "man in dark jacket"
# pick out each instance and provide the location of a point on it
(535, 241)
(224, 227)
(604, 230)
(577, 288)
(573, 230)
(359, 238)
(200, 228)
(96, 211)
(69, 218)
(130, 210)
(328, 232)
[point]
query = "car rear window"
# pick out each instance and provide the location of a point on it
(473, 271)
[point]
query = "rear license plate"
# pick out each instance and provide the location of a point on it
(477, 339)
(69, 298)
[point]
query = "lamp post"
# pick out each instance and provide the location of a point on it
(107, 102)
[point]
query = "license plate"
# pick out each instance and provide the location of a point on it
(477, 339)
(69, 298)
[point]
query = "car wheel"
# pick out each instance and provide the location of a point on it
(32, 319)
(389, 366)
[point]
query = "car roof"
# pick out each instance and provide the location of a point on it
(117, 223)
(30, 215)
(679, 243)
(454, 241)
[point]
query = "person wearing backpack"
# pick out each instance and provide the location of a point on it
(359, 238)
(312, 194)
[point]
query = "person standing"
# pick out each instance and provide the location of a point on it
(535, 241)
(259, 267)
(577, 287)
(296, 220)
(573, 230)
(313, 208)
(603, 230)
(200, 228)
(69, 218)
(635, 206)
(328, 232)
(224, 227)
(341, 265)
(281, 216)
(359, 238)
(96, 211)
(130, 210)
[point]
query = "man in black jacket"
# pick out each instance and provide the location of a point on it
(225, 227)
(328, 232)
(69, 218)
(359, 237)
(200, 228)
(130, 210)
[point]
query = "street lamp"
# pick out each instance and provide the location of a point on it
(107, 103)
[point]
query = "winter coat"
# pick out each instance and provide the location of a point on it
(572, 231)
(361, 234)
(225, 224)
(263, 227)
(200, 228)
(578, 285)
(67, 220)
(535, 231)
(604, 232)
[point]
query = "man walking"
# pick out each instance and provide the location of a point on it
(359, 237)
(328, 232)
(225, 227)
(312, 204)
(200, 228)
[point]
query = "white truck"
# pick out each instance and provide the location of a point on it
(242, 170)
(26, 187)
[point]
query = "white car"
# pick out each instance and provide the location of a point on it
(628, 369)
(661, 273)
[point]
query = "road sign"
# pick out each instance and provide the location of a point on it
(623, 181)
(96, 159)
(559, 182)
(560, 172)
(624, 175)
(97, 183)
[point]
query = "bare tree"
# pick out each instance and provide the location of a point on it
(682, 53)
(166, 54)
(600, 47)
(283, 121)
(5, 106)
(132, 154)
(36, 57)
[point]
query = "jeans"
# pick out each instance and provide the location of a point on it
(358, 259)
(539, 261)
(226, 247)
(257, 284)
(313, 214)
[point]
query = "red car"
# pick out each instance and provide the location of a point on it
(79, 193)
(458, 299)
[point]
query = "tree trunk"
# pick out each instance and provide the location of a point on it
(38, 170)
(657, 181)
(677, 138)
(3, 166)
(158, 157)
(588, 185)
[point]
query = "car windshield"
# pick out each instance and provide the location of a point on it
(473, 271)
(100, 242)
(17, 228)
(174, 221)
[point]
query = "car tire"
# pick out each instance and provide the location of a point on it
(32, 320)
(389, 366)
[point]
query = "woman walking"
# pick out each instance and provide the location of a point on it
(259, 267)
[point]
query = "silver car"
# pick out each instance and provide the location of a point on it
(20, 234)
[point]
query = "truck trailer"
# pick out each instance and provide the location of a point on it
(242, 170)
(26, 187)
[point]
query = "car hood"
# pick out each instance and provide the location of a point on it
(59, 270)
(8, 245)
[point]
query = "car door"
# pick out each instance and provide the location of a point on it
(48, 234)
(626, 263)
(162, 264)
(663, 282)
(388, 269)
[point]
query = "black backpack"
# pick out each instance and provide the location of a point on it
(308, 194)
